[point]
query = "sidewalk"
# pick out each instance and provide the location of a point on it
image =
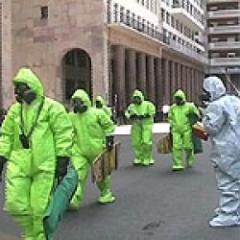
(157, 128)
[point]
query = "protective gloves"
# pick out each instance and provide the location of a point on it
(147, 115)
(3, 160)
(134, 117)
(140, 117)
(109, 142)
(144, 116)
(62, 167)
(193, 118)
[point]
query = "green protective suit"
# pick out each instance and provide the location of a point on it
(141, 132)
(105, 108)
(30, 172)
(180, 122)
(91, 129)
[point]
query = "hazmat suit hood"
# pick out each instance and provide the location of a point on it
(27, 76)
(214, 86)
(138, 93)
(179, 93)
(82, 94)
(101, 100)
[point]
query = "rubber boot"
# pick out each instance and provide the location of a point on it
(224, 221)
(106, 193)
(138, 156)
(26, 223)
(136, 162)
(178, 160)
(77, 199)
(147, 155)
(190, 158)
(38, 228)
(152, 161)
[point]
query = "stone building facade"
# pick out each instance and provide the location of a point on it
(6, 93)
(101, 47)
(224, 40)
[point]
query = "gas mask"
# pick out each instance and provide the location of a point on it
(24, 93)
(206, 96)
(136, 100)
(99, 104)
(179, 101)
(79, 106)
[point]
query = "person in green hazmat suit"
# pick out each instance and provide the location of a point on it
(141, 113)
(35, 142)
(93, 134)
(179, 117)
(101, 104)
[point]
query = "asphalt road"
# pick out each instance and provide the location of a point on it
(152, 204)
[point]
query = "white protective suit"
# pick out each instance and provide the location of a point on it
(222, 122)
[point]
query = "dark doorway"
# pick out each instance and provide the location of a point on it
(77, 72)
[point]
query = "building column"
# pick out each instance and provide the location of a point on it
(178, 77)
(131, 74)
(194, 87)
(159, 89)
(141, 72)
(188, 84)
(192, 90)
(173, 78)
(6, 86)
(167, 97)
(184, 78)
(150, 79)
(200, 80)
(119, 77)
(196, 84)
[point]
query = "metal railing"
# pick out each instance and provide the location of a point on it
(217, 70)
(185, 5)
(216, 1)
(225, 61)
(187, 51)
(226, 44)
(117, 14)
(225, 28)
(224, 13)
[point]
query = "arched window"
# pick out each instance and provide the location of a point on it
(76, 72)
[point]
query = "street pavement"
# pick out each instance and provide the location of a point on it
(152, 204)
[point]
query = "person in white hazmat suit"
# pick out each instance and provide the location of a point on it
(222, 122)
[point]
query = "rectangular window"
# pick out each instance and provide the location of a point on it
(172, 22)
(163, 15)
(44, 12)
(177, 25)
(168, 18)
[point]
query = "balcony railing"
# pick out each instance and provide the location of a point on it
(221, 70)
(224, 13)
(187, 51)
(120, 15)
(117, 14)
(225, 45)
(220, 1)
(225, 29)
(187, 18)
(233, 61)
(184, 5)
